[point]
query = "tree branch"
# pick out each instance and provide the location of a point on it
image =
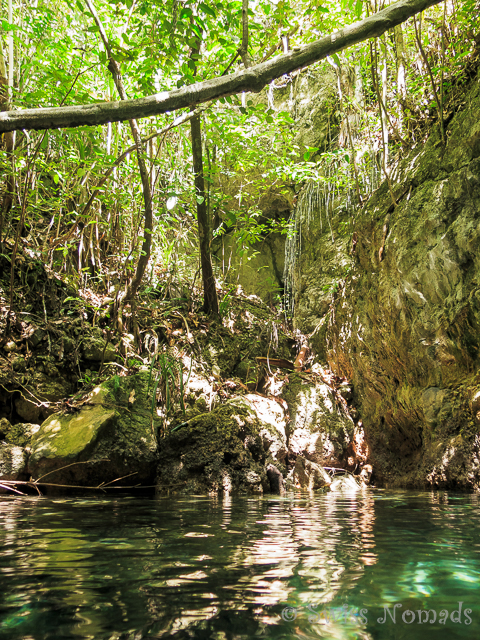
(251, 79)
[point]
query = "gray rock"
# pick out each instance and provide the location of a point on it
(13, 462)
(308, 476)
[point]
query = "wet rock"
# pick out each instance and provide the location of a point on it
(345, 483)
(275, 478)
(307, 475)
(13, 462)
(108, 437)
(213, 453)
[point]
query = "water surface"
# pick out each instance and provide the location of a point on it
(368, 565)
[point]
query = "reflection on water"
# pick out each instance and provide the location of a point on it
(369, 565)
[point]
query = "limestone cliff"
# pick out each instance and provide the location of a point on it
(394, 305)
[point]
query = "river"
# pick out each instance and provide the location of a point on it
(367, 565)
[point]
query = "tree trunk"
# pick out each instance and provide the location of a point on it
(9, 136)
(210, 302)
(244, 47)
(147, 195)
(251, 79)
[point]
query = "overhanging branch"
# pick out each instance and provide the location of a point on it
(251, 79)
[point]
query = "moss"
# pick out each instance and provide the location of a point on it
(224, 443)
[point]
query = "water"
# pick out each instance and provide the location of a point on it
(302, 566)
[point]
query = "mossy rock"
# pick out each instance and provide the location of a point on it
(22, 434)
(112, 435)
(218, 451)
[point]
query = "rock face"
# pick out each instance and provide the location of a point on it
(320, 427)
(112, 435)
(403, 322)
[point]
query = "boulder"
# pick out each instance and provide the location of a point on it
(320, 428)
(13, 462)
(96, 349)
(217, 451)
(345, 483)
(112, 434)
(275, 478)
(307, 475)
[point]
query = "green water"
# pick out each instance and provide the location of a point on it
(329, 566)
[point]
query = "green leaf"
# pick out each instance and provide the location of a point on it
(185, 13)
(206, 9)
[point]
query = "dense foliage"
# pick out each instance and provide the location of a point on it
(74, 196)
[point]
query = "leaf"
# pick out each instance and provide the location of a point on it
(206, 9)
(185, 13)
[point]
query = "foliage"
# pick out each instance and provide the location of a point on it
(249, 145)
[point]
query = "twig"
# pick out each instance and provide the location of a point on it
(8, 488)
(66, 467)
(117, 479)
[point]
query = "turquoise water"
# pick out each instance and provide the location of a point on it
(336, 566)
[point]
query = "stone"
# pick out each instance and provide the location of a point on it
(28, 410)
(13, 462)
(21, 434)
(308, 476)
(106, 439)
(275, 478)
(345, 483)
(36, 335)
(366, 473)
(320, 429)
(96, 348)
(218, 451)
(272, 421)
(5, 427)
(405, 330)
(10, 346)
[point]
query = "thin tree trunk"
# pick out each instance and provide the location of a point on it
(401, 75)
(210, 303)
(210, 300)
(6, 86)
(244, 47)
(147, 196)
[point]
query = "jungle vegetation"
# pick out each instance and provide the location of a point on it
(126, 205)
